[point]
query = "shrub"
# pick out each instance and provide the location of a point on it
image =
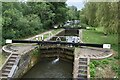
(92, 69)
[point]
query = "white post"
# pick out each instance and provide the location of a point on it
(42, 37)
(8, 41)
(36, 37)
(108, 46)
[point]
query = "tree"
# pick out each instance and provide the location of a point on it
(101, 14)
(21, 19)
(72, 13)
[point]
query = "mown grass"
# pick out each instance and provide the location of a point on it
(97, 36)
(93, 36)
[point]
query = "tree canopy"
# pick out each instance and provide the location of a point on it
(21, 19)
(101, 14)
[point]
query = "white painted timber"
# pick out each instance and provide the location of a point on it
(8, 41)
(108, 46)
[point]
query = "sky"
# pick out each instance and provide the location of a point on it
(77, 3)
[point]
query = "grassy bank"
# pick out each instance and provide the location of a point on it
(108, 67)
(93, 36)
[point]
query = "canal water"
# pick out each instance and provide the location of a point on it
(51, 68)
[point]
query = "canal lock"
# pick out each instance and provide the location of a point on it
(29, 60)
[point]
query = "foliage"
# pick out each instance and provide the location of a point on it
(101, 39)
(116, 69)
(36, 53)
(104, 17)
(101, 14)
(84, 25)
(21, 19)
(72, 12)
(92, 70)
(97, 63)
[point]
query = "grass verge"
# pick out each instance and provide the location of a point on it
(98, 67)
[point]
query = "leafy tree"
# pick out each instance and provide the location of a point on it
(101, 14)
(21, 19)
(72, 13)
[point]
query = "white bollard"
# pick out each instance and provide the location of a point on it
(42, 37)
(107, 46)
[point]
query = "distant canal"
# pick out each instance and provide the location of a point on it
(49, 68)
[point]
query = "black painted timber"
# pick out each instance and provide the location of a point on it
(73, 28)
(58, 42)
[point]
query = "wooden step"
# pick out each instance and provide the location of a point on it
(14, 56)
(12, 59)
(4, 77)
(82, 75)
(83, 62)
(10, 62)
(9, 66)
(82, 71)
(5, 74)
(82, 59)
(8, 70)
(85, 75)
(82, 67)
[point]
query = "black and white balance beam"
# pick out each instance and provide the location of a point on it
(60, 42)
